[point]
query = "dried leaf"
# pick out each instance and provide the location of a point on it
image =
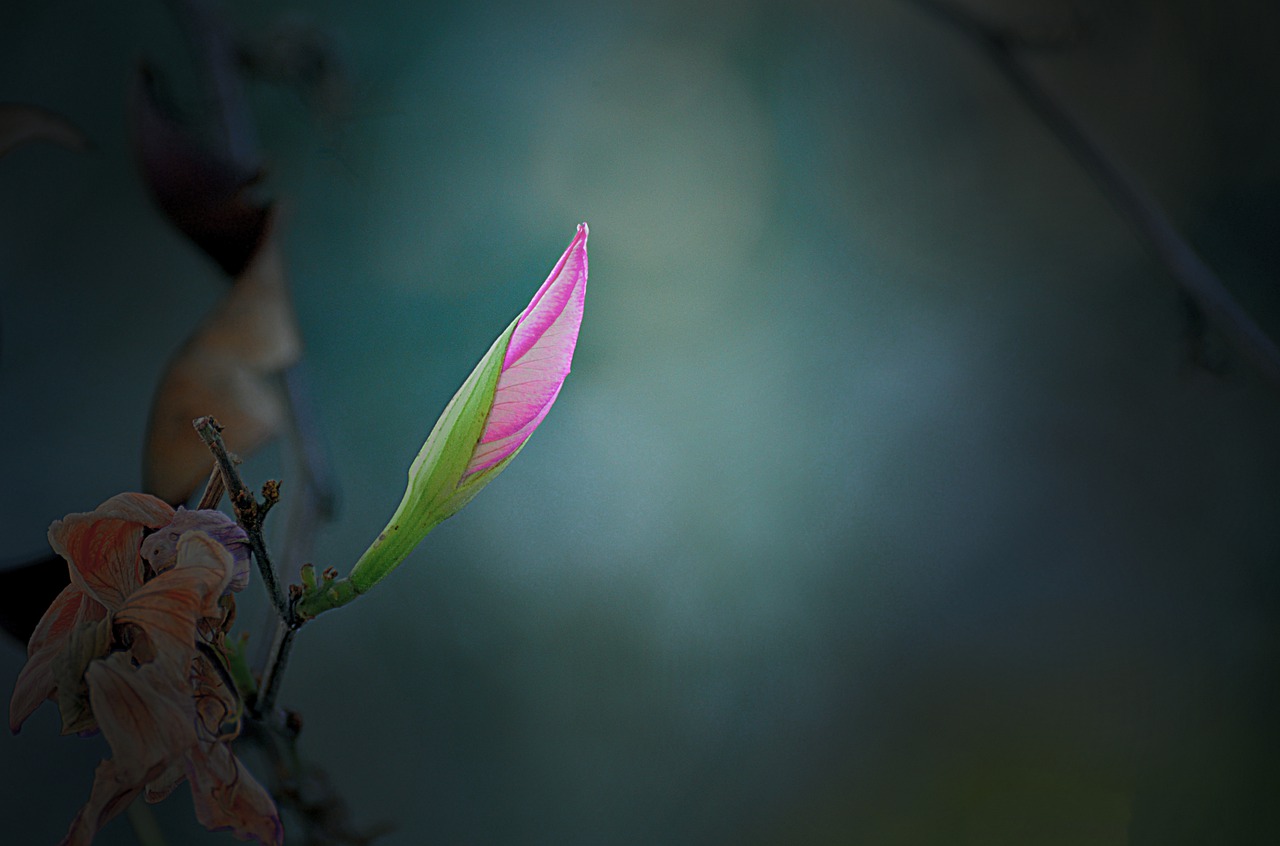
(206, 196)
(230, 369)
(21, 123)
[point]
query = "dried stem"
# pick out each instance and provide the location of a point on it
(213, 489)
(1198, 282)
(273, 673)
(249, 513)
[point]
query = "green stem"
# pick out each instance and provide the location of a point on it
(332, 594)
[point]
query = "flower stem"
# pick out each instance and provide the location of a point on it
(333, 593)
(269, 689)
(145, 827)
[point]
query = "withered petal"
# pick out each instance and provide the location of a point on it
(228, 798)
(145, 715)
(162, 785)
(112, 792)
(161, 548)
(147, 721)
(36, 681)
(167, 608)
(101, 546)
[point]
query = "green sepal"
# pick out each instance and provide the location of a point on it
(434, 493)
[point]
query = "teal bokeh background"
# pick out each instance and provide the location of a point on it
(883, 504)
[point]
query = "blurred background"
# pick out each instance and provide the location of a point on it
(894, 497)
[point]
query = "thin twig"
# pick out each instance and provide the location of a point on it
(1133, 201)
(213, 490)
(273, 674)
(248, 513)
(313, 503)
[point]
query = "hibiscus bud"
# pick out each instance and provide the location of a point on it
(491, 416)
(161, 547)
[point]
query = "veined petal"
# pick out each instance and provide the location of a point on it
(161, 547)
(567, 281)
(167, 608)
(486, 423)
(147, 720)
(36, 681)
(101, 546)
(227, 797)
(537, 359)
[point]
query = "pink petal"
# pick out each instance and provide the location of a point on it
(537, 359)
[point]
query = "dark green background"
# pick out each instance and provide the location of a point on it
(884, 504)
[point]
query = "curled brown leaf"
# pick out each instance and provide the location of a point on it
(229, 368)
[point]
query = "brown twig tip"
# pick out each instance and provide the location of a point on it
(208, 422)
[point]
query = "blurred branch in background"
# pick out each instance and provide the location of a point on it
(1203, 289)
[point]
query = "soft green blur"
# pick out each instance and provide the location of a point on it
(886, 502)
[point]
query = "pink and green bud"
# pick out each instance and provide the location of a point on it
(491, 416)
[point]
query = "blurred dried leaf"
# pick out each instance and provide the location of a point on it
(206, 196)
(21, 123)
(26, 590)
(229, 368)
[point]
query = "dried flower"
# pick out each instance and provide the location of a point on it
(134, 647)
